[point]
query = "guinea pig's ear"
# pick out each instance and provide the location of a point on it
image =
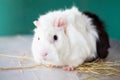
(36, 23)
(60, 22)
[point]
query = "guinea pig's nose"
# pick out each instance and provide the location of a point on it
(44, 54)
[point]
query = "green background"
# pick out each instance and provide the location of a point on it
(16, 16)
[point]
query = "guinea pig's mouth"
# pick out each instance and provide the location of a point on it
(44, 58)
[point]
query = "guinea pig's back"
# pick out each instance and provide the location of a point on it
(102, 43)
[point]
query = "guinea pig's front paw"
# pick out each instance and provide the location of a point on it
(68, 68)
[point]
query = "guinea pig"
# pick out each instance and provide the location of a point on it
(68, 38)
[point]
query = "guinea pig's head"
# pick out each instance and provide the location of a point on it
(50, 43)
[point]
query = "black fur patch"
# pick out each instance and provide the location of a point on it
(103, 43)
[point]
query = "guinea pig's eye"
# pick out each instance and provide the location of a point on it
(55, 37)
(38, 38)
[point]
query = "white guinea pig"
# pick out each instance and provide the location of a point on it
(69, 38)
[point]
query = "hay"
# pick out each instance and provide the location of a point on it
(17, 57)
(97, 67)
(101, 68)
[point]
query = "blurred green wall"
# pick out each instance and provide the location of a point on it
(11, 19)
(16, 16)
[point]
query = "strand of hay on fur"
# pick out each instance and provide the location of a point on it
(21, 58)
(28, 67)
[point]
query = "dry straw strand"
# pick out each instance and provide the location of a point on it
(97, 67)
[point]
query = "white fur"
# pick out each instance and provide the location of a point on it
(73, 47)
